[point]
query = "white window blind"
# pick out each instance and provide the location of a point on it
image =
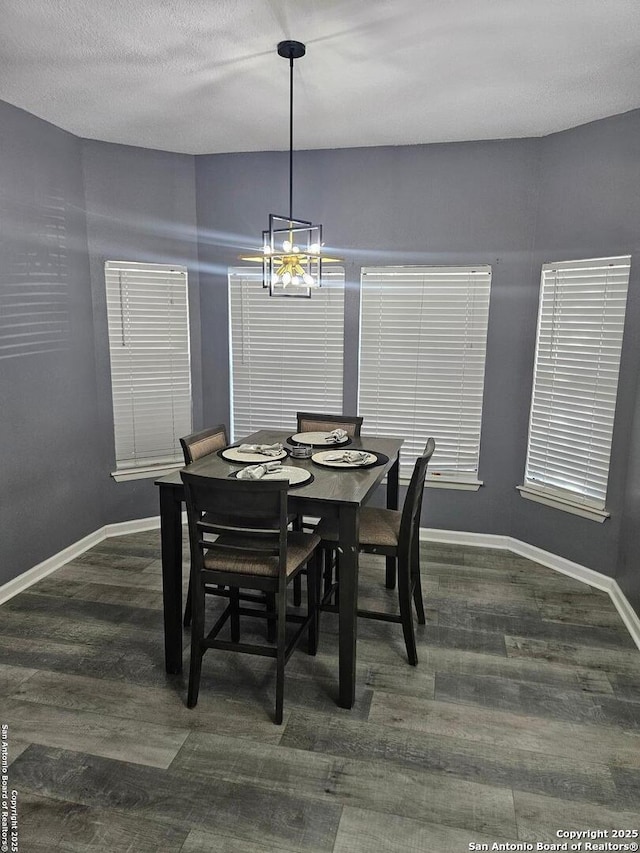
(580, 328)
(148, 319)
(423, 338)
(286, 353)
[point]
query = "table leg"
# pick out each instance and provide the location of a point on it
(392, 503)
(171, 541)
(348, 524)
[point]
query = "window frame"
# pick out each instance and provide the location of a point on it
(559, 340)
(129, 463)
(444, 473)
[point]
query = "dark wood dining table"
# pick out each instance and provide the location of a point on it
(334, 493)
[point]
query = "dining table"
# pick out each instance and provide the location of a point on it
(332, 492)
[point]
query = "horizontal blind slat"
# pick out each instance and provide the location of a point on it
(422, 359)
(579, 340)
(148, 324)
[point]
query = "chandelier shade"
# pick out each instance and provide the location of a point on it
(292, 250)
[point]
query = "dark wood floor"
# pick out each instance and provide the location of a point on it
(521, 719)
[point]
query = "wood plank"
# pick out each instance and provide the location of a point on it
(453, 756)
(173, 799)
(363, 831)
(199, 841)
(70, 826)
(508, 730)
(539, 817)
(155, 705)
(463, 662)
(366, 784)
(624, 661)
(112, 737)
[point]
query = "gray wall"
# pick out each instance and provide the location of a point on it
(68, 205)
(467, 202)
(49, 422)
(514, 204)
(140, 206)
(590, 207)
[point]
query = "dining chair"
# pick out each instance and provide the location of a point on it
(238, 538)
(393, 533)
(194, 447)
(318, 422)
(314, 422)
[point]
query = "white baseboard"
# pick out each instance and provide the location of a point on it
(559, 564)
(447, 537)
(33, 575)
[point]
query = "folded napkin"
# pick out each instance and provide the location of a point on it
(353, 456)
(262, 449)
(255, 472)
(337, 435)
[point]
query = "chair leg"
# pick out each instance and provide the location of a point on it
(297, 590)
(234, 601)
(406, 614)
(270, 604)
(197, 651)
(415, 581)
(329, 558)
(187, 608)
(280, 655)
(313, 591)
(390, 574)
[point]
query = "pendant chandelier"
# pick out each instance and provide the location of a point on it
(292, 251)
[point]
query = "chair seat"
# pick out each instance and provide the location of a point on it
(378, 527)
(300, 546)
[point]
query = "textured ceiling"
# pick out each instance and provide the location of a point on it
(202, 76)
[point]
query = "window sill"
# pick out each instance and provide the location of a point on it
(145, 472)
(442, 483)
(556, 502)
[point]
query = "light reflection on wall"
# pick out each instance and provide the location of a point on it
(34, 310)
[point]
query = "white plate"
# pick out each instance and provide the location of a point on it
(321, 459)
(295, 476)
(317, 438)
(232, 454)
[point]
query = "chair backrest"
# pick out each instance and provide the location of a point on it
(246, 518)
(202, 443)
(412, 508)
(314, 422)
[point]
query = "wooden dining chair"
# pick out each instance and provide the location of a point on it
(314, 422)
(393, 533)
(238, 538)
(194, 447)
(318, 422)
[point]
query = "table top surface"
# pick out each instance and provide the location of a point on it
(350, 485)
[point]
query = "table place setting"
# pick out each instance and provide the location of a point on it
(349, 458)
(274, 471)
(321, 439)
(253, 452)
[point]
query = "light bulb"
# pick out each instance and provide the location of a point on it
(308, 279)
(295, 279)
(275, 278)
(314, 248)
(286, 246)
(295, 250)
(286, 278)
(266, 249)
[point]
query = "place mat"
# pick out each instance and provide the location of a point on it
(232, 454)
(296, 476)
(376, 459)
(316, 439)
